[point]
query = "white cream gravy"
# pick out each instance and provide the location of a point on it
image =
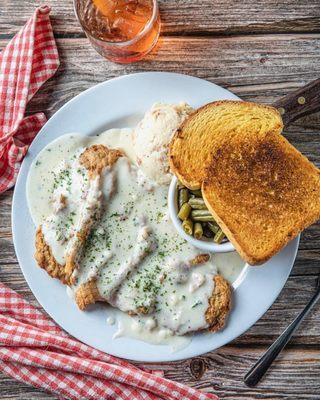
(140, 243)
(43, 170)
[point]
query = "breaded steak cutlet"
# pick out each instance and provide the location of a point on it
(95, 158)
(215, 316)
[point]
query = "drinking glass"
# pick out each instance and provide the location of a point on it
(122, 31)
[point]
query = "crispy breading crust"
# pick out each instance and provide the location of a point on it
(219, 304)
(87, 294)
(200, 259)
(46, 260)
(70, 260)
(95, 158)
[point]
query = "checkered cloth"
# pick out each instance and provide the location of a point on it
(29, 59)
(34, 350)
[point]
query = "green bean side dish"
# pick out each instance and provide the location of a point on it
(197, 220)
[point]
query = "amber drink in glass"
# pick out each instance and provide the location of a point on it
(120, 30)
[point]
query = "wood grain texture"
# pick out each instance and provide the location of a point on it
(254, 67)
(222, 368)
(256, 63)
(188, 17)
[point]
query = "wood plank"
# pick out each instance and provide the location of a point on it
(254, 67)
(294, 376)
(188, 17)
(293, 298)
(12, 389)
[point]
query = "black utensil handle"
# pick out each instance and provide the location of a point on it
(261, 367)
(299, 103)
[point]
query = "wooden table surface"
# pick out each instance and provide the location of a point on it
(260, 51)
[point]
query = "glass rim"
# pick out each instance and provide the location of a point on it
(146, 28)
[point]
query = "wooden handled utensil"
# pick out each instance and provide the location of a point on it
(299, 103)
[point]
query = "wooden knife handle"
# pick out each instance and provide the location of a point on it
(299, 103)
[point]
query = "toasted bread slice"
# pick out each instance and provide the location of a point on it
(262, 192)
(209, 128)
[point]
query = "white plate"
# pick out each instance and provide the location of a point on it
(122, 102)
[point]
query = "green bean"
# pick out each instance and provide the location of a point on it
(198, 231)
(198, 204)
(219, 236)
(184, 211)
(201, 216)
(196, 192)
(197, 213)
(213, 227)
(195, 216)
(187, 226)
(183, 196)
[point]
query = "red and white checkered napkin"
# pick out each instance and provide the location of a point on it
(34, 350)
(28, 60)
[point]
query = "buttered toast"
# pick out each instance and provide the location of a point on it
(209, 127)
(260, 190)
